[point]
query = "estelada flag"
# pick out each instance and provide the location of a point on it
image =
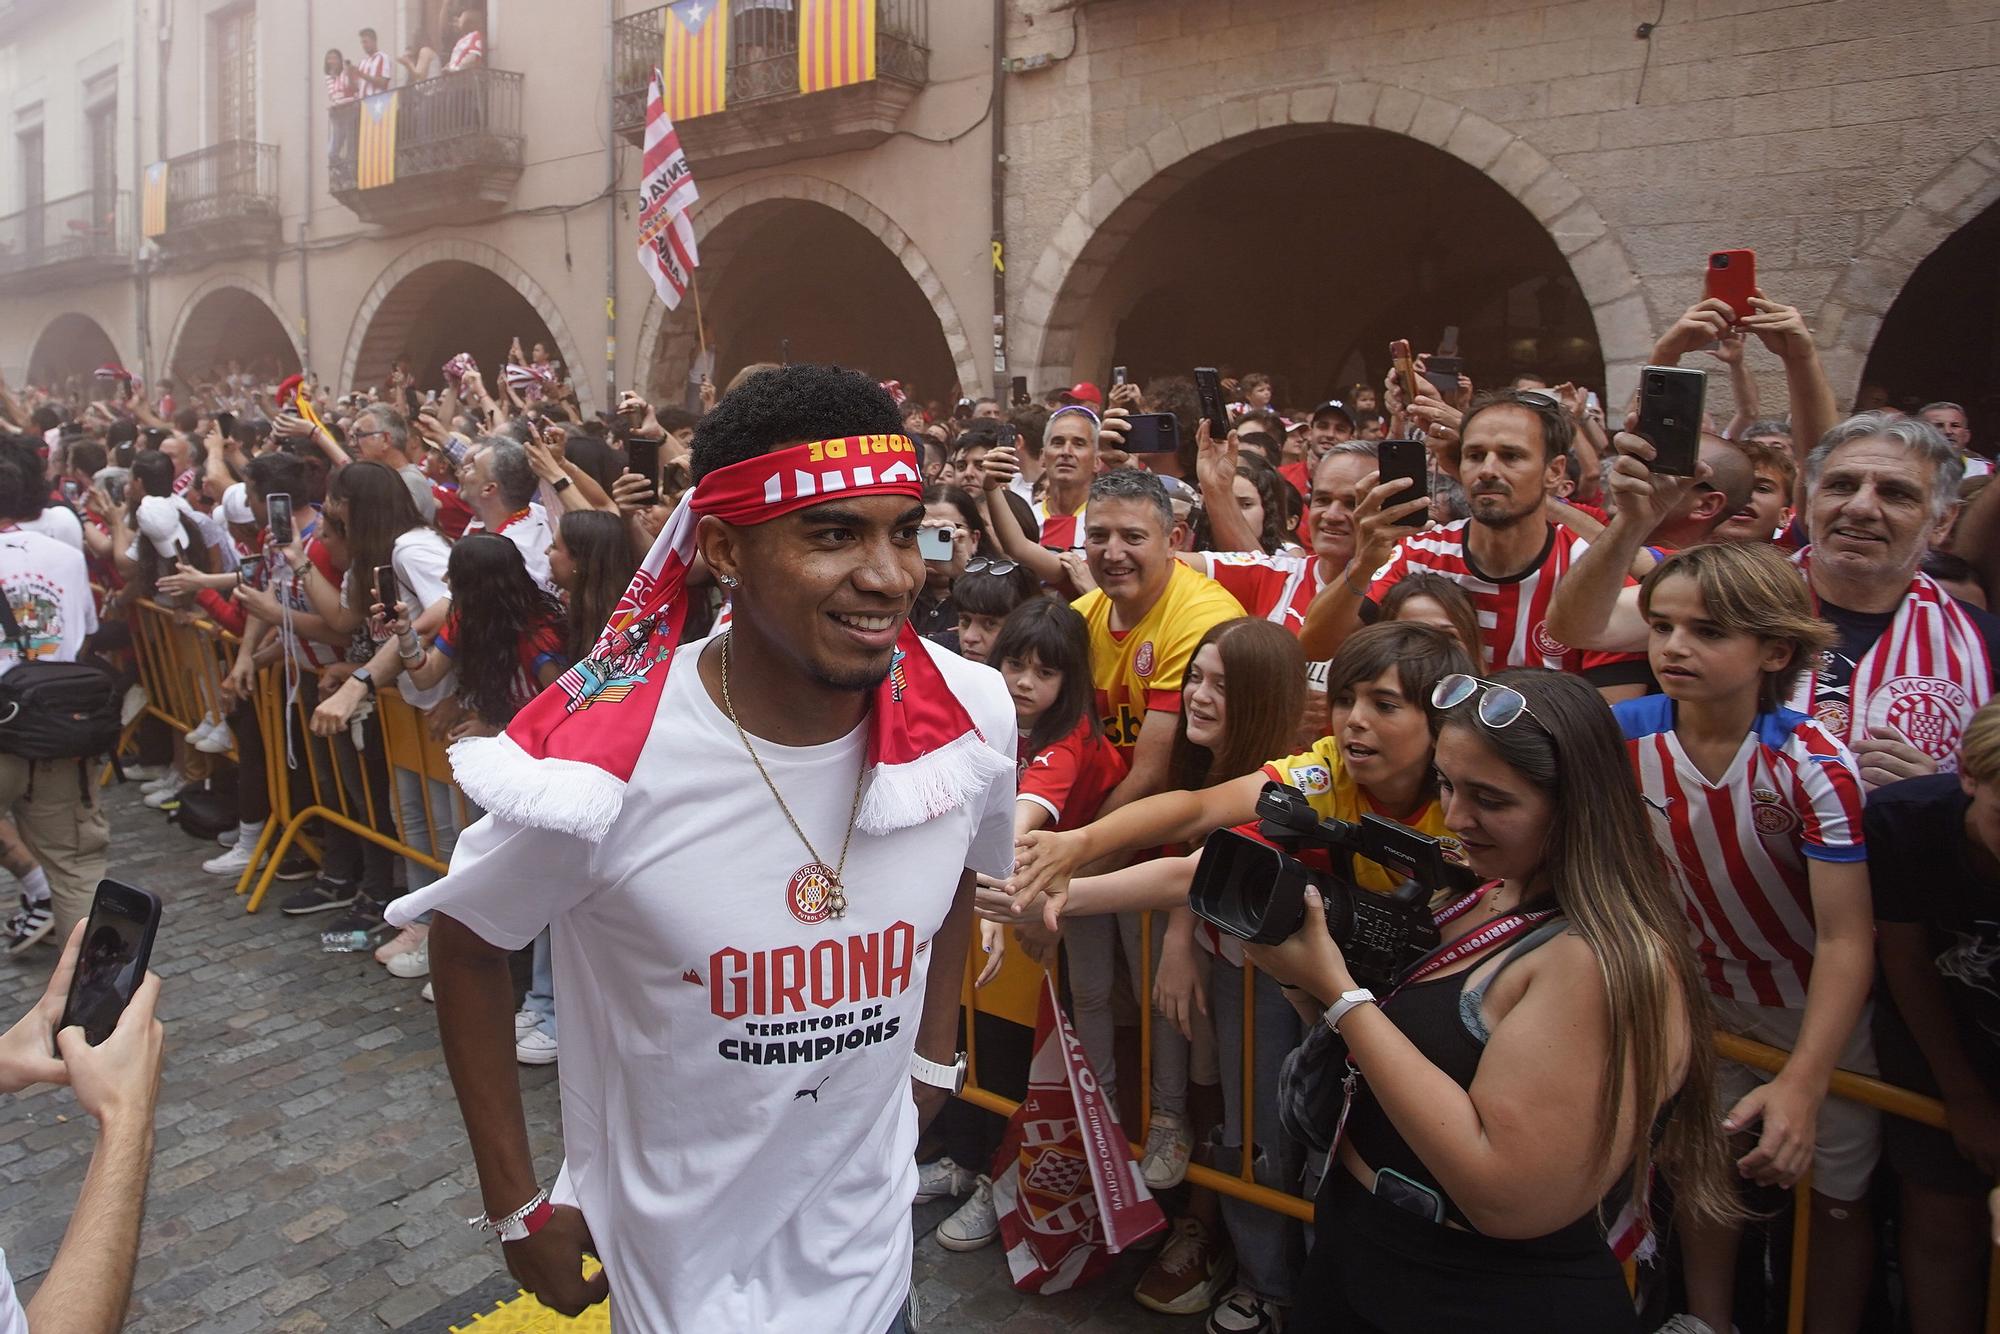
(695, 57)
(836, 43)
(1065, 1185)
(375, 148)
(153, 200)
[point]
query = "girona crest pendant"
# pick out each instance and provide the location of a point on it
(815, 895)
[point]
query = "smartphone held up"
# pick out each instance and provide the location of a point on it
(117, 947)
(1670, 406)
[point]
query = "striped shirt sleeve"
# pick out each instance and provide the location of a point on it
(1827, 794)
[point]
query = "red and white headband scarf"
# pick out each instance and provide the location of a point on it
(1924, 678)
(564, 762)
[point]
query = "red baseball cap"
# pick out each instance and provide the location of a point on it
(1086, 392)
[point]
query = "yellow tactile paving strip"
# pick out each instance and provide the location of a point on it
(522, 1314)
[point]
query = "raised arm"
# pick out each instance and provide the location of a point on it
(1002, 465)
(1592, 607)
(1335, 612)
(1215, 467)
(1813, 408)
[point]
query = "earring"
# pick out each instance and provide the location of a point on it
(728, 580)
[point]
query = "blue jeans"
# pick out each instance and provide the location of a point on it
(542, 987)
(431, 828)
(1270, 1247)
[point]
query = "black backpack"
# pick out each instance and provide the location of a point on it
(55, 710)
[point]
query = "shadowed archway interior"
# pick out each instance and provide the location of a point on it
(231, 325)
(67, 352)
(1941, 338)
(445, 308)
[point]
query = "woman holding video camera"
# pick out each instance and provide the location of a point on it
(1529, 1067)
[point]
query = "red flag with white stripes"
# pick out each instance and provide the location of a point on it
(666, 237)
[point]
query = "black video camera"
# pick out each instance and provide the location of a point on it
(1256, 891)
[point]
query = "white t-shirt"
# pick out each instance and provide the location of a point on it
(420, 556)
(13, 1320)
(736, 1097)
(532, 534)
(48, 589)
(59, 523)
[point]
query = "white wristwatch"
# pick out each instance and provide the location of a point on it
(1348, 1000)
(950, 1078)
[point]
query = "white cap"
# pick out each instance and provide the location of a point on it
(236, 504)
(160, 521)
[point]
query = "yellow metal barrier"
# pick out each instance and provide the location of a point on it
(181, 660)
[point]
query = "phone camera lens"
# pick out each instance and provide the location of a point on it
(1656, 384)
(1720, 261)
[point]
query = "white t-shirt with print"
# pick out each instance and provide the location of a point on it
(48, 589)
(58, 522)
(737, 1107)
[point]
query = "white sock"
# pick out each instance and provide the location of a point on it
(35, 886)
(248, 834)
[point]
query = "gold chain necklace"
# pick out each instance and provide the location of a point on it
(837, 905)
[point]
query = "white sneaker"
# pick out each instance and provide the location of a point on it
(140, 773)
(975, 1224)
(161, 798)
(401, 943)
(944, 1178)
(218, 740)
(427, 994)
(1688, 1324)
(535, 1047)
(413, 963)
(231, 861)
(1169, 1143)
(165, 779)
(1244, 1312)
(195, 735)
(526, 1021)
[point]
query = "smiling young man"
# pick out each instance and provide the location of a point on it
(754, 855)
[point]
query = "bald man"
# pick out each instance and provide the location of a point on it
(1723, 492)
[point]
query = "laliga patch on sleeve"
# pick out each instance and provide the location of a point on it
(1312, 779)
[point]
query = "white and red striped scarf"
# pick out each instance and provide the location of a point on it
(1924, 678)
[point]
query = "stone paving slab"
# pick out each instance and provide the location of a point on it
(311, 1170)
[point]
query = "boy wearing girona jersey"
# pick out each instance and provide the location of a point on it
(754, 855)
(1757, 811)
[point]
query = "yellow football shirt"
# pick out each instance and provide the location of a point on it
(1321, 773)
(1144, 667)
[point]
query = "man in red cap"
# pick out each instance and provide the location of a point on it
(1086, 393)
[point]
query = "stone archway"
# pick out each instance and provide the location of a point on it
(1852, 314)
(71, 345)
(373, 338)
(1050, 310)
(668, 343)
(212, 313)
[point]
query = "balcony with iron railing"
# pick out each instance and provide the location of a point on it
(765, 119)
(450, 147)
(222, 197)
(78, 238)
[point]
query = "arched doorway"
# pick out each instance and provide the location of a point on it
(69, 349)
(441, 310)
(1941, 337)
(229, 323)
(1295, 257)
(799, 266)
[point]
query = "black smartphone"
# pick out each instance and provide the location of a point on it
(278, 506)
(225, 422)
(117, 946)
(1670, 406)
(386, 591)
(1118, 376)
(1152, 433)
(643, 457)
(1443, 372)
(1018, 389)
(1208, 386)
(72, 490)
(1409, 1195)
(1410, 459)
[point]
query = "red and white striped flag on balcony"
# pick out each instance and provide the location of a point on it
(666, 237)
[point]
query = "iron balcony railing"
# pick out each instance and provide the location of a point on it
(454, 121)
(229, 181)
(763, 54)
(92, 225)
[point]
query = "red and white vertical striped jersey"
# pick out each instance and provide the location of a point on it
(468, 52)
(1737, 848)
(1278, 587)
(1513, 612)
(1060, 532)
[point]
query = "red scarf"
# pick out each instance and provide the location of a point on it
(564, 762)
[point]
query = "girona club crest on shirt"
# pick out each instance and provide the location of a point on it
(1547, 644)
(1142, 661)
(1770, 814)
(1928, 711)
(810, 894)
(1832, 715)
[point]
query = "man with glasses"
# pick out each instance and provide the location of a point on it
(1507, 556)
(382, 435)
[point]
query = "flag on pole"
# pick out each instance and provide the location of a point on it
(695, 57)
(153, 200)
(375, 153)
(836, 43)
(666, 237)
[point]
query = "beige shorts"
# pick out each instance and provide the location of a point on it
(1850, 1135)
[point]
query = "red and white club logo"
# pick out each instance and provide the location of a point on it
(1142, 661)
(1832, 715)
(810, 895)
(1770, 814)
(1547, 644)
(1928, 711)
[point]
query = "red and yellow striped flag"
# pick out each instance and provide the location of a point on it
(836, 43)
(375, 146)
(153, 201)
(694, 61)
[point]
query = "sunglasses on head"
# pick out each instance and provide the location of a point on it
(1499, 706)
(990, 565)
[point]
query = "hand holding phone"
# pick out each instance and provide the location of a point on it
(386, 591)
(1732, 278)
(1406, 369)
(278, 509)
(1208, 387)
(1408, 460)
(1670, 408)
(642, 456)
(117, 945)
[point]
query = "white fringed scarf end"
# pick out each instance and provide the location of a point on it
(900, 796)
(564, 796)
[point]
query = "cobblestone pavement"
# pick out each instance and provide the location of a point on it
(311, 1169)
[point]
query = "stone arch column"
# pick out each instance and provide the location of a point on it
(668, 342)
(1051, 308)
(1852, 314)
(493, 261)
(226, 282)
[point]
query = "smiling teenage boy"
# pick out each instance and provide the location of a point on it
(756, 869)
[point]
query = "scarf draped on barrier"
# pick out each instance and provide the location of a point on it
(1924, 678)
(564, 762)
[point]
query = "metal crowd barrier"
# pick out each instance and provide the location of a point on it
(181, 664)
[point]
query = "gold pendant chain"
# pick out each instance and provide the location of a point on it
(839, 905)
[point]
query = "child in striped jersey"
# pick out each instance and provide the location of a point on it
(1758, 812)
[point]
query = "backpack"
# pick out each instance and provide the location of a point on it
(207, 807)
(55, 710)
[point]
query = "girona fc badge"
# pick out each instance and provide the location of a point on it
(1929, 711)
(813, 895)
(1142, 661)
(1769, 813)
(1547, 644)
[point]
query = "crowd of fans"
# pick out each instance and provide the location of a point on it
(1721, 745)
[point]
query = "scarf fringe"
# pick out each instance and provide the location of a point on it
(902, 795)
(565, 796)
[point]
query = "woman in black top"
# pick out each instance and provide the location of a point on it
(1502, 1096)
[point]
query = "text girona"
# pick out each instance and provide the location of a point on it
(796, 978)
